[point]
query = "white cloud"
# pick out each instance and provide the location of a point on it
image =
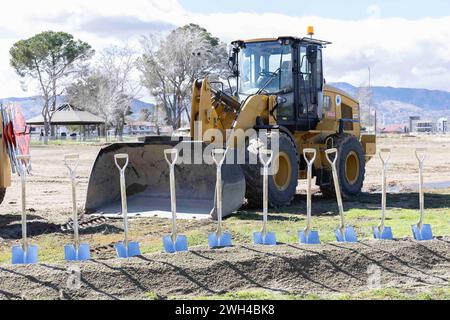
(85, 19)
(400, 52)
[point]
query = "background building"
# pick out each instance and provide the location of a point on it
(442, 125)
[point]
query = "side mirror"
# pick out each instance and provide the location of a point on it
(232, 59)
(233, 62)
(311, 54)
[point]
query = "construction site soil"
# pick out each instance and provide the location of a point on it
(330, 268)
(286, 269)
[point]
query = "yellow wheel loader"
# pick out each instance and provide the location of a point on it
(5, 166)
(281, 93)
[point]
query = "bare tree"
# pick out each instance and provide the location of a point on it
(170, 65)
(108, 89)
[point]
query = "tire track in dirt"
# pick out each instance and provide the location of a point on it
(11, 227)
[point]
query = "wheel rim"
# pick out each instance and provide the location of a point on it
(283, 176)
(352, 167)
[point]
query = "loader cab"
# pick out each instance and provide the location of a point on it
(288, 67)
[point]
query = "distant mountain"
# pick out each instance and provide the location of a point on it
(32, 106)
(138, 105)
(395, 105)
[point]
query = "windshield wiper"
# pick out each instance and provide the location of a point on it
(272, 76)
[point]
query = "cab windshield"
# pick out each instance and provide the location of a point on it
(266, 65)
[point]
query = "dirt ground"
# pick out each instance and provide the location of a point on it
(49, 188)
(403, 167)
(286, 269)
(326, 269)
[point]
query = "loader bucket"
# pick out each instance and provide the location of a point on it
(148, 185)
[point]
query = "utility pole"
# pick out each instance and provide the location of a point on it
(375, 123)
(370, 102)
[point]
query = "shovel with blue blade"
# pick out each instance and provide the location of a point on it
(420, 230)
(125, 249)
(343, 233)
(381, 231)
(24, 253)
(173, 242)
(219, 238)
(76, 251)
(264, 237)
(308, 236)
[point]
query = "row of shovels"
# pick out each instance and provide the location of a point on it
(28, 253)
(345, 233)
(220, 238)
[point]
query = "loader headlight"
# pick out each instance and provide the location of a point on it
(281, 100)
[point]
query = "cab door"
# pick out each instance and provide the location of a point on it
(309, 86)
(285, 111)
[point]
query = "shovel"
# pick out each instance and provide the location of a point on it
(420, 230)
(381, 231)
(173, 242)
(25, 253)
(219, 238)
(125, 249)
(309, 236)
(76, 251)
(343, 233)
(264, 237)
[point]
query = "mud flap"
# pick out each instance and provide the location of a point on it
(148, 185)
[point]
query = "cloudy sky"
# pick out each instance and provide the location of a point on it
(406, 43)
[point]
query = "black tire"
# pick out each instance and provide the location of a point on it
(278, 196)
(351, 183)
(2, 194)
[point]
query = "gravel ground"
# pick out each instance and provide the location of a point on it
(326, 269)
(49, 197)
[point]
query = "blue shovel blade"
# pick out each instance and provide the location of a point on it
(222, 241)
(348, 236)
(386, 234)
(18, 255)
(133, 250)
(179, 245)
(423, 233)
(312, 238)
(269, 239)
(83, 254)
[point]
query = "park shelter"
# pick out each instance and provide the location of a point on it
(67, 115)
